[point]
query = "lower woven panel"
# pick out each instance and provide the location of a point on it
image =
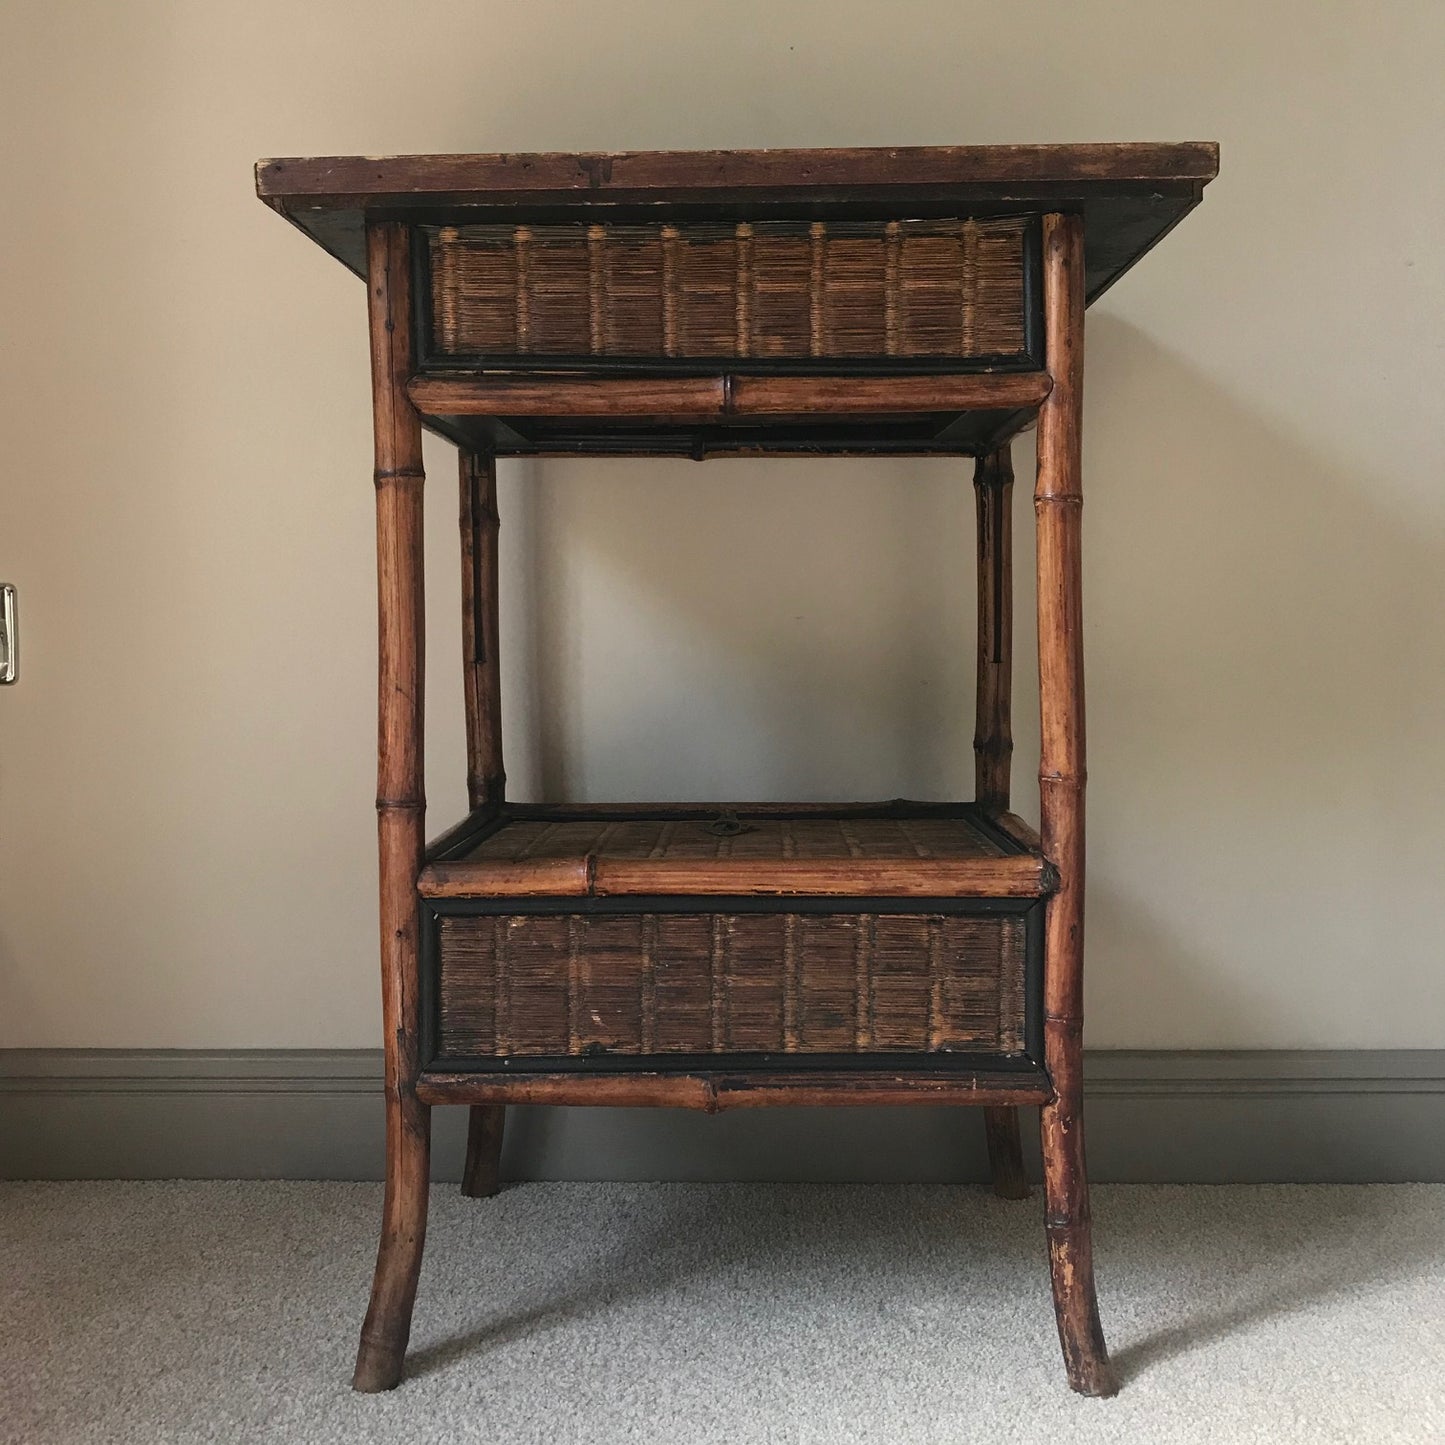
(538, 985)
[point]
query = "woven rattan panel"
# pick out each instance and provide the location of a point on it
(691, 839)
(714, 983)
(770, 290)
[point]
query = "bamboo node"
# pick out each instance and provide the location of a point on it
(993, 743)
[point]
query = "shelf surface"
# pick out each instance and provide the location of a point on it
(892, 850)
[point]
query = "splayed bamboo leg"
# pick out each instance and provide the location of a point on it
(384, 1334)
(993, 477)
(486, 778)
(401, 806)
(1058, 503)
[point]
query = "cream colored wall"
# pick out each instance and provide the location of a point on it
(186, 832)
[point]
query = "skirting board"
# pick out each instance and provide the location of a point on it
(1225, 1117)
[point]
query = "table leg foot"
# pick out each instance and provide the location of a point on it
(481, 1175)
(378, 1366)
(1081, 1336)
(387, 1327)
(1005, 1153)
(1071, 1253)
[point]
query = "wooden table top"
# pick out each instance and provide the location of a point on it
(1130, 194)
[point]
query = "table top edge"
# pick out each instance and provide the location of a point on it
(341, 180)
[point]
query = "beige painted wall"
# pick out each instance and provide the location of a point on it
(186, 832)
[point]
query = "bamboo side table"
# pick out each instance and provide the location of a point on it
(807, 303)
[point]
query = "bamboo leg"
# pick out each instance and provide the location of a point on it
(400, 804)
(993, 477)
(1058, 503)
(1005, 1152)
(486, 778)
(481, 1178)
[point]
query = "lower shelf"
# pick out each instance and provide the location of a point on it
(884, 850)
(770, 940)
(714, 1090)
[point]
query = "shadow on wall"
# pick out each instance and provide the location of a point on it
(1262, 696)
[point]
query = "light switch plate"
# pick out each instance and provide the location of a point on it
(9, 666)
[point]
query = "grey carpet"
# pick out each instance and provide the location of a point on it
(595, 1313)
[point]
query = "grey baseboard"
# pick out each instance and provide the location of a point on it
(1207, 1117)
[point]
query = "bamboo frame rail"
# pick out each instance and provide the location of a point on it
(861, 395)
(680, 396)
(715, 1091)
(700, 398)
(593, 876)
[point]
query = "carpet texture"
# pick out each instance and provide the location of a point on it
(692, 1314)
